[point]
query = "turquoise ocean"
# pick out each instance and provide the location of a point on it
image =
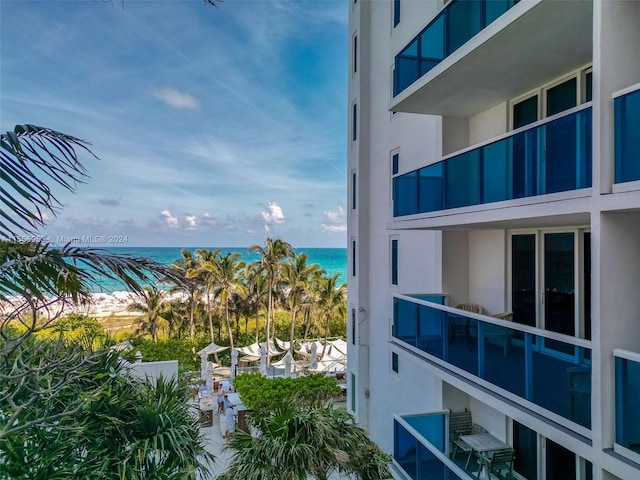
(333, 260)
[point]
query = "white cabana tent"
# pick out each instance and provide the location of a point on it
(212, 348)
(339, 345)
(252, 352)
(282, 364)
(305, 348)
(282, 344)
(330, 363)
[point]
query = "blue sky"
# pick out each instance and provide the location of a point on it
(214, 126)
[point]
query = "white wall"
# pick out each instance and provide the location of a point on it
(153, 370)
(488, 124)
(488, 270)
(417, 138)
(455, 266)
(491, 419)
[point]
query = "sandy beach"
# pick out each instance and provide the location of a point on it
(113, 304)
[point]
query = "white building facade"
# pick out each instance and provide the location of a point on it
(494, 232)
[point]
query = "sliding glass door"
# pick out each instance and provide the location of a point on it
(550, 285)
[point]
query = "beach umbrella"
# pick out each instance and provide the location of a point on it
(263, 359)
(234, 362)
(313, 363)
(287, 365)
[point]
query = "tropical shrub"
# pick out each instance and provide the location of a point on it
(84, 416)
(183, 350)
(297, 442)
(261, 393)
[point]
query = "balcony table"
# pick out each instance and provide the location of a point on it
(482, 443)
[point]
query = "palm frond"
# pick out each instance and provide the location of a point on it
(30, 158)
(41, 270)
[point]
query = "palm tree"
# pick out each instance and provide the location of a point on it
(96, 424)
(257, 291)
(204, 272)
(48, 389)
(189, 285)
(311, 307)
(273, 253)
(296, 442)
(227, 272)
(155, 311)
(297, 274)
(332, 301)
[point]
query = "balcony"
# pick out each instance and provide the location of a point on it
(627, 371)
(456, 24)
(627, 137)
(509, 51)
(552, 156)
(420, 448)
(549, 370)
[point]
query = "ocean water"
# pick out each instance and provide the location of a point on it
(333, 260)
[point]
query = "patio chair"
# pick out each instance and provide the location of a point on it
(462, 445)
(460, 423)
(463, 329)
(499, 332)
(497, 462)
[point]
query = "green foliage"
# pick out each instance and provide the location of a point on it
(74, 327)
(296, 442)
(84, 416)
(183, 350)
(262, 393)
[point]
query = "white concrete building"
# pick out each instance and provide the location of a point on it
(494, 160)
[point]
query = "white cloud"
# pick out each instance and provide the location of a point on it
(334, 228)
(273, 215)
(334, 221)
(175, 98)
(170, 219)
(192, 221)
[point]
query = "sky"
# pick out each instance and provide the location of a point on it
(213, 126)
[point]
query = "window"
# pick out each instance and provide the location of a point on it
(394, 261)
(552, 98)
(525, 443)
(525, 112)
(353, 258)
(546, 282)
(396, 13)
(394, 362)
(562, 97)
(354, 121)
(353, 190)
(534, 451)
(353, 326)
(355, 53)
(395, 158)
(588, 85)
(352, 392)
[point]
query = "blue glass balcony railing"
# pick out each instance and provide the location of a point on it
(627, 137)
(411, 453)
(553, 374)
(456, 24)
(551, 157)
(627, 402)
